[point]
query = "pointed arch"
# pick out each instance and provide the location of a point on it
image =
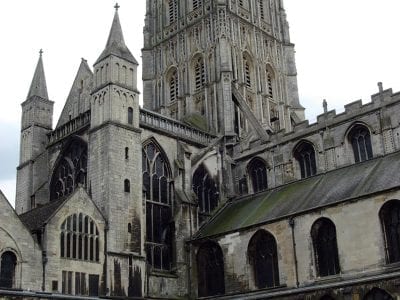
(389, 215)
(378, 294)
(210, 270)
(70, 169)
(206, 190)
(304, 153)
(359, 137)
(263, 257)
(323, 234)
(257, 171)
(158, 190)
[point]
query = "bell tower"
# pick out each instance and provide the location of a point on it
(221, 65)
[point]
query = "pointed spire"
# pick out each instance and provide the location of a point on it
(116, 43)
(38, 85)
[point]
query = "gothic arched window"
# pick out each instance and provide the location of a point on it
(172, 11)
(7, 272)
(127, 186)
(377, 294)
(206, 191)
(199, 73)
(210, 270)
(158, 189)
(270, 82)
(173, 86)
(263, 257)
(360, 140)
(323, 234)
(130, 115)
(79, 238)
(305, 155)
(390, 220)
(258, 174)
(70, 171)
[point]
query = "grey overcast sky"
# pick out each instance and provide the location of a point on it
(343, 48)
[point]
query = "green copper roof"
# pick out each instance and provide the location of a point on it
(325, 189)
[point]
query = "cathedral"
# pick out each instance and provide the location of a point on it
(217, 187)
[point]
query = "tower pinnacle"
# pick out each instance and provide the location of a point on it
(38, 86)
(116, 43)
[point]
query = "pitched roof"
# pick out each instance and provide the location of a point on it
(38, 86)
(332, 187)
(36, 218)
(116, 44)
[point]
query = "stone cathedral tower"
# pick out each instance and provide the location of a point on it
(200, 55)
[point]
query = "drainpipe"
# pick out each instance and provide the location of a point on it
(44, 261)
(292, 224)
(106, 291)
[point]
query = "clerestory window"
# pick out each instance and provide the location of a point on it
(258, 174)
(305, 155)
(360, 140)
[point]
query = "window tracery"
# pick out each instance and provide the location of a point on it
(206, 191)
(323, 234)
(7, 271)
(258, 174)
(360, 140)
(305, 155)
(263, 257)
(70, 171)
(158, 189)
(210, 268)
(390, 220)
(79, 238)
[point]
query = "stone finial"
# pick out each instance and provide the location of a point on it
(116, 6)
(380, 86)
(325, 105)
(40, 52)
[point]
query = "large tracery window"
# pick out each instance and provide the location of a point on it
(79, 238)
(377, 294)
(199, 73)
(258, 175)
(390, 220)
(210, 270)
(70, 170)
(263, 257)
(7, 269)
(206, 191)
(305, 155)
(360, 140)
(323, 234)
(158, 189)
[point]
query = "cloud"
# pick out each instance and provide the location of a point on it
(9, 150)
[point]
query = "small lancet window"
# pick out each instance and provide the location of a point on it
(247, 72)
(173, 86)
(390, 220)
(130, 115)
(258, 174)
(126, 152)
(305, 155)
(323, 234)
(210, 270)
(360, 140)
(127, 186)
(263, 258)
